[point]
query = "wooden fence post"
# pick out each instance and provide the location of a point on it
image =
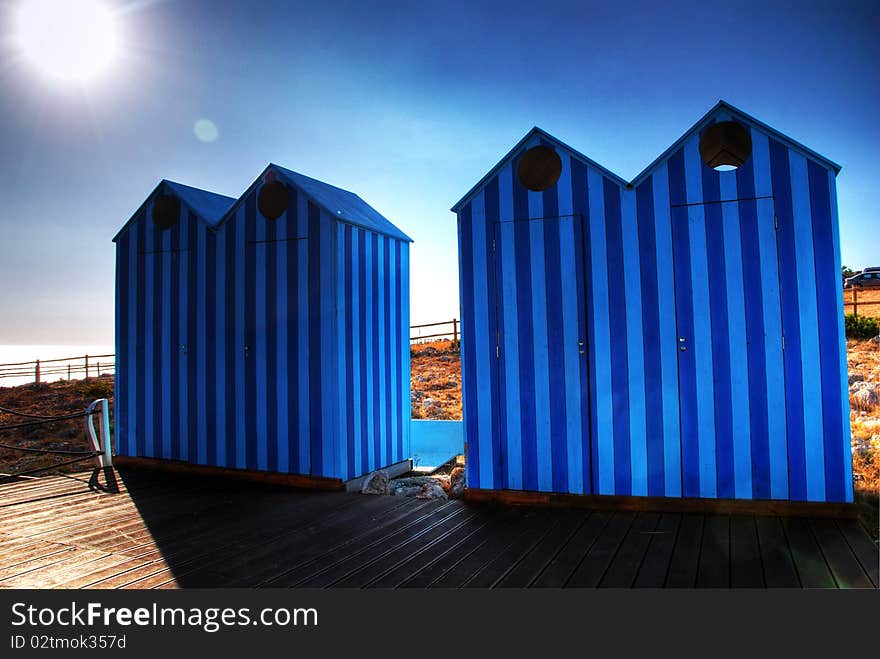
(68, 372)
(455, 330)
(37, 371)
(87, 367)
(855, 300)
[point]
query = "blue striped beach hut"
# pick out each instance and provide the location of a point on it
(679, 335)
(267, 333)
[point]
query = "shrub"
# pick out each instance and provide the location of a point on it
(861, 327)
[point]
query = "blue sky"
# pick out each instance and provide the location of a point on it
(406, 104)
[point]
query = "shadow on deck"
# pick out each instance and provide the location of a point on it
(172, 531)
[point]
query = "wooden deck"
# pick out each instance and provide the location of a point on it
(171, 531)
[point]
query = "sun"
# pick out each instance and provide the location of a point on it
(72, 41)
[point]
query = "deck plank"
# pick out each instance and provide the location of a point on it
(686, 553)
(844, 565)
(745, 554)
(180, 531)
(624, 568)
(655, 565)
(808, 558)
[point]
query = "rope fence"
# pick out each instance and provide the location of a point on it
(101, 449)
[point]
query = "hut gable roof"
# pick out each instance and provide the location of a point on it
(722, 108)
(727, 111)
(209, 207)
(344, 205)
(520, 146)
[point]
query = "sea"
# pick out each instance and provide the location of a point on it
(13, 354)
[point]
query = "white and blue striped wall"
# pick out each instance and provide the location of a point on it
(744, 266)
(272, 345)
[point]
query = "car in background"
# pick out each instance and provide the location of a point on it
(869, 278)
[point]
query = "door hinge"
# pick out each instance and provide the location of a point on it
(776, 222)
(497, 352)
(493, 244)
(783, 342)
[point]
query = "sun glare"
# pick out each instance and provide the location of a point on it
(67, 40)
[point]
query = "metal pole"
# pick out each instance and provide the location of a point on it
(107, 458)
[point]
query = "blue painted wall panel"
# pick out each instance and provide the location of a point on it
(240, 345)
(741, 264)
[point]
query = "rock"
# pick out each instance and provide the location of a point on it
(865, 394)
(876, 339)
(376, 483)
(432, 491)
(456, 483)
(856, 377)
(406, 491)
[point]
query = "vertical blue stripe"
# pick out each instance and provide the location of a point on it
(300, 279)
(260, 348)
(209, 365)
(223, 388)
(666, 304)
(495, 328)
(149, 336)
(776, 423)
(270, 345)
(540, 348)
(736, 320)
(250, 439)
(827, 282)
(791, 282)
(283, 331)
(363, 331)
(604, 418)
(382, 446)
(314, 353)
(376, 353)
(329, 435)
(240, 347)
(654, 394)
(204, 271)
(483, 357)
(584, 294)
(350, 350)
(187, 242)
(700, 344)
(841, 344)
(178, 287)
(574, 391)
(187, 401)
(511, 454)
(404, 324)
(121, 401)
(165, 339)
(618, 320)
(368, 391)
(403, 407)
(357, 337)
(754, 308)
(635, 346)
(719, 319)
(556, 345)
(292, 247)
(807, 471)
(468, 348)
(690, 470)
(135, 345)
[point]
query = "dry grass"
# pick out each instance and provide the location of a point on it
(435, 376)
(863, 360)
(49, 399)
